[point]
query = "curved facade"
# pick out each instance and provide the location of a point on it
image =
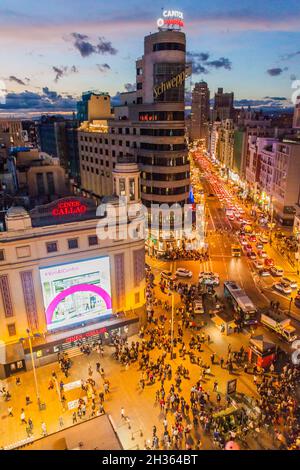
(162, 152)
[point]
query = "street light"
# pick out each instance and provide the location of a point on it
(41, 406)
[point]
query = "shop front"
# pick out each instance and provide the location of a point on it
(262, 351)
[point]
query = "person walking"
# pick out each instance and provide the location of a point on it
(10, 411)
(122, 413)
(44, 429)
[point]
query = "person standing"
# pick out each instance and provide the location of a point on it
(22, 417)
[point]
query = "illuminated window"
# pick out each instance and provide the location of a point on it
(11, 327)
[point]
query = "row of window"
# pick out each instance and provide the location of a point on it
(100, 140)
(163, 147)
(161, 116)
(165, 191)
(157, 161)
(168, 46)
(163, 132)
(73, 244)
(165, 177)
(96, 161)
(96, 171)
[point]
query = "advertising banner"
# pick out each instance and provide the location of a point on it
(76, 292)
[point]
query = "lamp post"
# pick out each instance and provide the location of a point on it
(34, 368)
(272, 216)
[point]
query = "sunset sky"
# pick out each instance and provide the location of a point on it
(53, 51)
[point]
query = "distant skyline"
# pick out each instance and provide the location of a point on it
(51, 52)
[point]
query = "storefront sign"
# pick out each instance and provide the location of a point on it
(174, 82)
(69, 207)
(171, 19)
(80, 336)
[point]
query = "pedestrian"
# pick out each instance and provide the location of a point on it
(22, 417)
(44, 429)
(74, 417)
(122, 413)
(61, 422)
(221, 362)
(212, 358)
(215, 386)
(10, 411)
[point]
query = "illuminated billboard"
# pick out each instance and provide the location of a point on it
(76, 292)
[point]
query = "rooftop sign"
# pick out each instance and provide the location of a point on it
(171, 19)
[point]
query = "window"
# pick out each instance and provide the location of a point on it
(122, 186)
(11, 327)
(107, 163)
(51, 247)
(50, 183)
(73, 243)
(139, 86)
(2, 258)
(93, 240)
(40, 184)
(168, 46)
(132, 189)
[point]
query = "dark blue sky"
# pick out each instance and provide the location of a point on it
(253, 46)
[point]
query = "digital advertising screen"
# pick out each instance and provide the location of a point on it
(76, 292)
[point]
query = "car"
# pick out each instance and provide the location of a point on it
(269, 262)
(181, 272)
(167, 275)
(276, 271)
(248, 248)
(252, 238)
(252, 255)
(263, 239)
(231, 217)
(209, 279)
(258, 264)
(259, 246)
(282, 287)
(293, 284)
(241, 211)
(262, 254)
(264, 272)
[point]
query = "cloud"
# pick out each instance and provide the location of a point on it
(86, 48)
(290, 55)
(60, 72)
(17, 80)
(47, 100)
(103, 67)
(202, 65)
(130, 87)
(274, 72)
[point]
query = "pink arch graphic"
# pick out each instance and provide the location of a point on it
(71, 290)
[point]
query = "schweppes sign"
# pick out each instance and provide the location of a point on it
(174, 82)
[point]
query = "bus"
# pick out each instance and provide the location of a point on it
(245, 311)
(236, 250)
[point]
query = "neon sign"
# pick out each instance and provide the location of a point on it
(171, 19)
(69, 207)
(174, 82)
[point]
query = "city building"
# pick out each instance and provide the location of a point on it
(223, 105)
(149, 125)
(58, 137)
(273, 175)
(93, 106)
(67, 273)
(296, 121)
(200, 113)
